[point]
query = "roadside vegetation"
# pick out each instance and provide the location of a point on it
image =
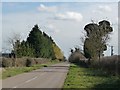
(38, 50)
(38, 44)
(90, 68)
(80, 77)
(12, 71)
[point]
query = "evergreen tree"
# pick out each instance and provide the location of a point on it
(38, 44)
(35, 40)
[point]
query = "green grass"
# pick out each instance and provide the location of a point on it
(79, 77)
(9, 72)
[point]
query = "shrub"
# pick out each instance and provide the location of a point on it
(111, 64)
(22, 62)
(7, 62)
(30, 62)
(76, 56)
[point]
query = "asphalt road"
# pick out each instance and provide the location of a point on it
(47, 77)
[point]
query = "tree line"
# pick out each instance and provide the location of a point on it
(38, 44)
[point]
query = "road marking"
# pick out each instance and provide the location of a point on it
(31, 79)
(25, 82)
(28, 81)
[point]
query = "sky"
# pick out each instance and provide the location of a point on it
(60, 0)
(64, 21)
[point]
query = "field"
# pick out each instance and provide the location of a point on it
(79, 77)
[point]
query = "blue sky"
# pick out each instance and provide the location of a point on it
(16, 7)
(60, 0)
(63, 21)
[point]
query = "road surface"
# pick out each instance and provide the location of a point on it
(47, 77)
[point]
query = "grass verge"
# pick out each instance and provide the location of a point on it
(9, 72)
(79, 77)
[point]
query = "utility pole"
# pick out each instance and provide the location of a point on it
(111, 50)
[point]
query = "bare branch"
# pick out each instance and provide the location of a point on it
(11, 40)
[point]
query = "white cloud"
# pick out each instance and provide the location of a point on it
(42, 7)
(52, 28)
(75, 16)
(105, 8)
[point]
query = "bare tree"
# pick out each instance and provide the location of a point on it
(12, 40)
(16, 37)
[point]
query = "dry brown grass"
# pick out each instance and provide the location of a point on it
(110, 63)
(21, 62)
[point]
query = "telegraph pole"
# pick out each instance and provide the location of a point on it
(111, 50)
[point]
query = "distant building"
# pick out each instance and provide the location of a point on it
(9, 55)
(6, 55)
